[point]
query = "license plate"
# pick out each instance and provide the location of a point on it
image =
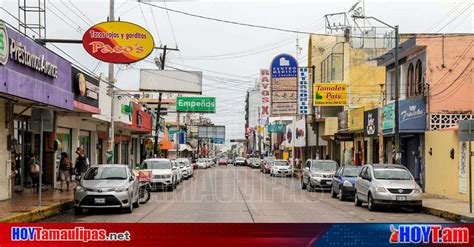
(401, 198)
(99, 200)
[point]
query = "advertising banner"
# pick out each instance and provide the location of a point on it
(371, 122)
(300, 133)
(171, 81)
(196, 104)
(388, 118)
(284, 74)
(265, 92)
(356, 119)
(342, 121)
(330, 94)
(276, 128)
(303, 91)
(412, 115)
(118, 42)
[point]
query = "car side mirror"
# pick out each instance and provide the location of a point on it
(78, 177)
(131, 178)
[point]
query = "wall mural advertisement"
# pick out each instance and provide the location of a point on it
(284, 89)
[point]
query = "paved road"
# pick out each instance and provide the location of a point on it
(240, 194)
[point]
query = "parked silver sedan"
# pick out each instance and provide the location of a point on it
(387, 185)
(107, 186)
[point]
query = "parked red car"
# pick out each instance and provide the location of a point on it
(223, 162)
(195, 166)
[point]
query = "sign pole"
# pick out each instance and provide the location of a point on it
(111, 154)
(40, 185)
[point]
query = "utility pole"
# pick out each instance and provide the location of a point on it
(158, 109)
(382, 101)
(112, 95)
(397, 95)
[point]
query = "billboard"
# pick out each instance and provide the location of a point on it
(171, 81)
(330, 94)
(371, 122)
(284, 89)
(300, 133)
(215, 133)
(303, 91)
(265, 92)
(196, 104)
(118, 42)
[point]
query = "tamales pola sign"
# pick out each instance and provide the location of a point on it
(118, 42)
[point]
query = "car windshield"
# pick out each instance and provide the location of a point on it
(181, 164)
(392, 174)
(106, 173)
(324, 166)
(281, 163)
(351, 172)
(156, 164)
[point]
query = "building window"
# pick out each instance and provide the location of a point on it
(418, 78)
(410, 81)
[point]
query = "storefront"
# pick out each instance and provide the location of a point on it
(30, 76)
(371, 130)
(345, 139)
(356, 126)
(412, 119)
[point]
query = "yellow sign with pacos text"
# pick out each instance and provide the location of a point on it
(330, 94)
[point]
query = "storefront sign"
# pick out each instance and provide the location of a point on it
(265, 92)
(196, 104)
(371, 122)
(290, 142)
(343, 121)
(344, 136)
(276, 128)
(412, 115)
(31, 71)
(356, 119)
(389, 117)
(303, 91)
(86, 88)
(330, 94)
(127, 110)
(284, 72)
(118, 42)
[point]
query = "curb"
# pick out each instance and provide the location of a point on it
(39, 213)
(448, 215)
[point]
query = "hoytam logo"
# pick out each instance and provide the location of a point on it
(73, 234)
(436, 234)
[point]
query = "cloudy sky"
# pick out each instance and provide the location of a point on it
(231, 55)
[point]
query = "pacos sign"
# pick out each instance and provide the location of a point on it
(118, 42)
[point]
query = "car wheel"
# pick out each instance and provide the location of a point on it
(340, 196)
(357, 202)
(77, 211)
(309, 187)
(303, 185)
(136, 204)
(370, 203)
(129, 209)
(333, 193)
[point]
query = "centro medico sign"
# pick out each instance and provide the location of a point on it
(196, 104)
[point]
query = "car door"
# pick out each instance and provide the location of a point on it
(337, 179)
(365, 183)
(360, 181)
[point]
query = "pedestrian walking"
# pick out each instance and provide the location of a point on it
(34, 172)
(65, 165)
(82, 163)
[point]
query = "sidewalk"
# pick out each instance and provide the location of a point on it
(447, 208)
(23, 207)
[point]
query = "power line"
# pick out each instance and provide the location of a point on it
(174, 35)
(457, 16)
(227, 21)
(156, 25)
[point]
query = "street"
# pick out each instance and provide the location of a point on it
(243, 195)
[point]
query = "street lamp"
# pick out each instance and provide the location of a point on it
(397, 86)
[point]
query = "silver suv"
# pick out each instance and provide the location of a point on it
(388, 184)
(318, 173)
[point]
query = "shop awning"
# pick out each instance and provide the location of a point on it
(166, 144)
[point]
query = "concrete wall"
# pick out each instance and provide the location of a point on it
(442, 172)
(5, 163)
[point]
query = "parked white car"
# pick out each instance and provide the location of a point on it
(164, 174)
(281, 168)
(210, 162)
(186, 167)
(387, 185)
(318, 174)
(178, 171)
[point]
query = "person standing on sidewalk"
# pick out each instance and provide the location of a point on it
(34, 172)
(65, 170)
(82, 162)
